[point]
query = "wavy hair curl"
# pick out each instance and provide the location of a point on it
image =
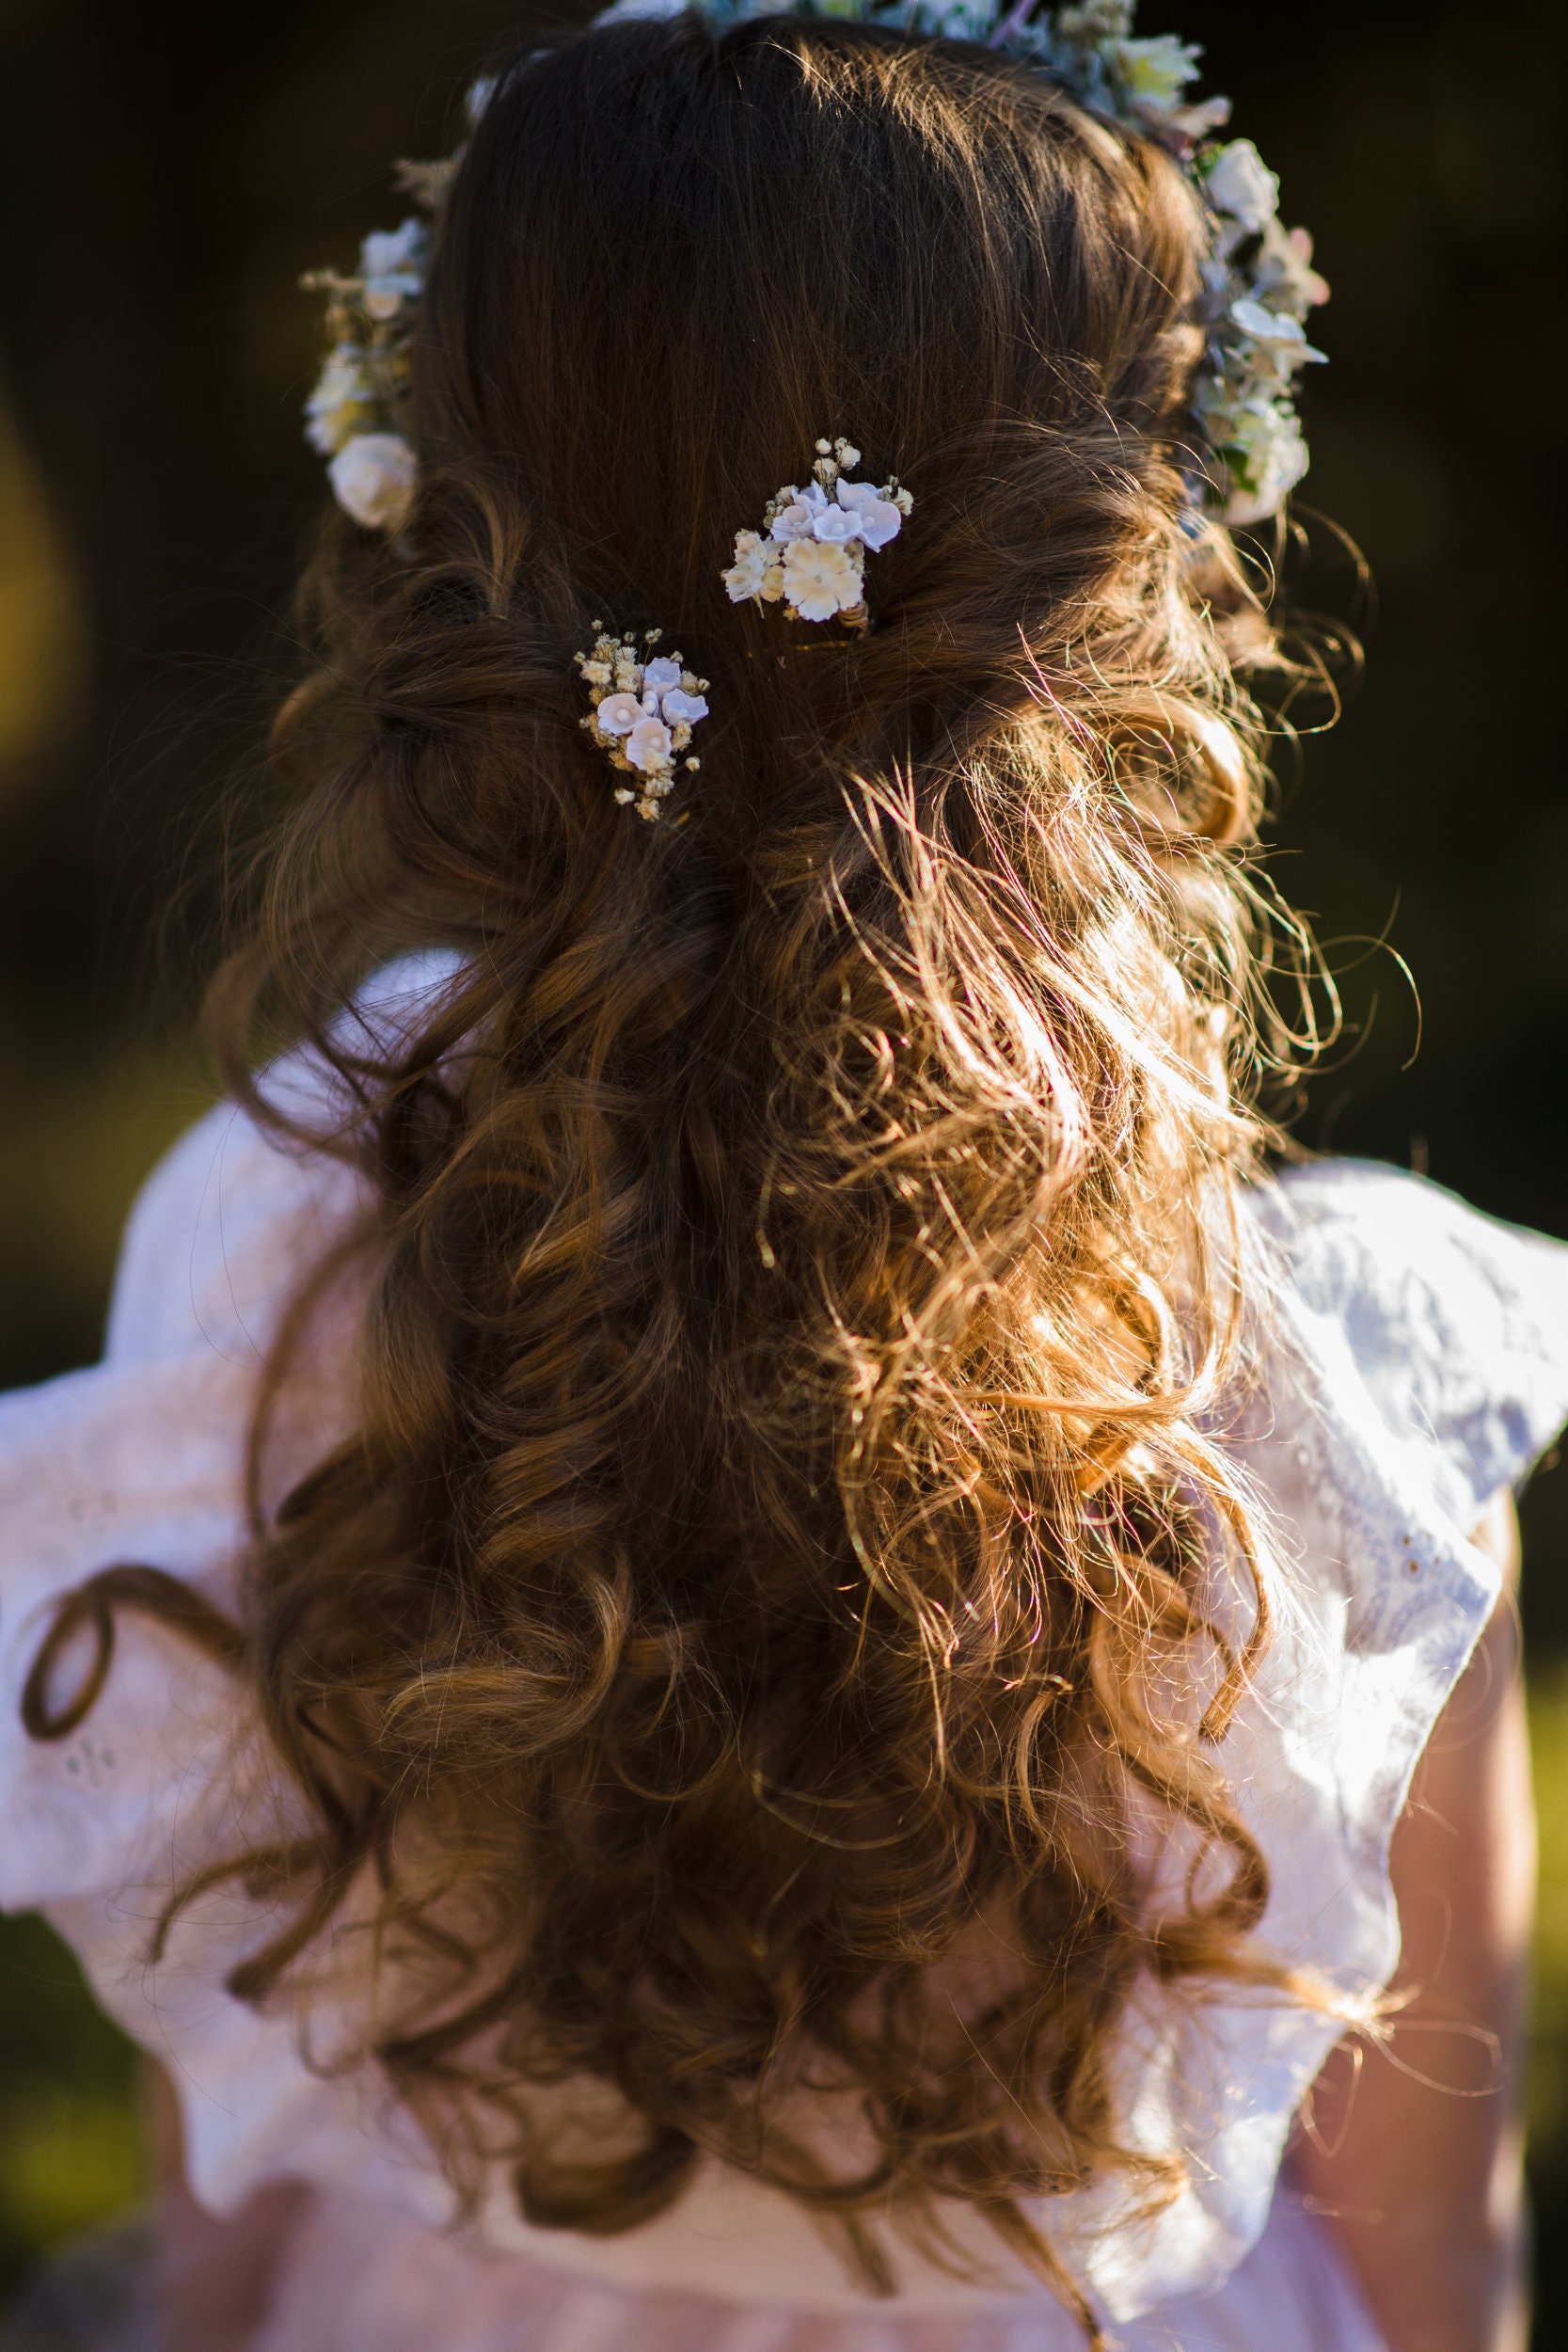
(759, 1629)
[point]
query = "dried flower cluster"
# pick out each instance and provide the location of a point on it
(810, 554)
(644, 710)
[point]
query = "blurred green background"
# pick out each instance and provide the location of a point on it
(165, 174)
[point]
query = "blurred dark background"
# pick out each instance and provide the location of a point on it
(168, 171)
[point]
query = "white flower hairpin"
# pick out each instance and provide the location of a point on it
(644, 709)
(810, 554)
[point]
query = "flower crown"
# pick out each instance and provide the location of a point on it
(1258, 284)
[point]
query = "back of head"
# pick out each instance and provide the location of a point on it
(672, 263)
(795, 1277)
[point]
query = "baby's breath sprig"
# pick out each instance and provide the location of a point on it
(644, 707)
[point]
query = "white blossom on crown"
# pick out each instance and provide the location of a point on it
(392, 266)
(1154, 73)
(1239, 183)
(373, 479)
(342, 402)
(811, 552)
(643, 708)
(1267, 436)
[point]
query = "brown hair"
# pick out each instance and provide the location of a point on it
(805, 1251)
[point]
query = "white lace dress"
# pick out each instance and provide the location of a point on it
(1419, 1365)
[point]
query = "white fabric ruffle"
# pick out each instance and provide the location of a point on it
(1419, 1363)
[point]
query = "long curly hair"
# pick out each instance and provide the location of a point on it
(784, 1594)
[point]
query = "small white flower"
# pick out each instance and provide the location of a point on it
(836, 526)
(748, 574)
(373, 479)
(648, 745)
(877, 519)
(594, 673)
(341, 402)
(797, 519)
(393, 266)
(679, 706)
(1284, 344)
(385, 251)
(1155, 73)
(1265, 327)
(1240, 182)
(820, 581)
(661, 674)
(1269, 456)
(618, 714)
